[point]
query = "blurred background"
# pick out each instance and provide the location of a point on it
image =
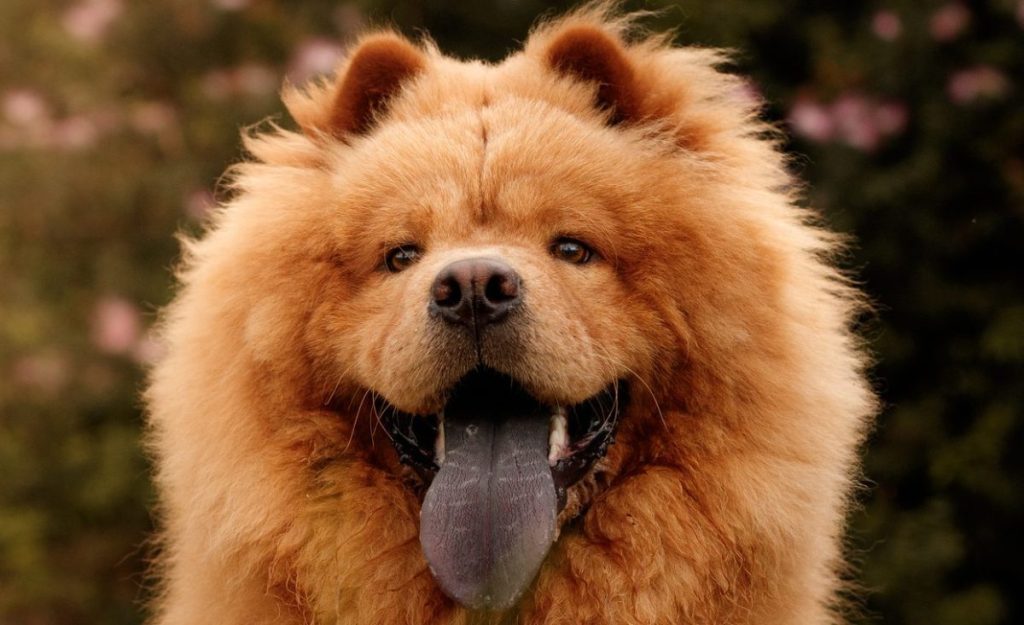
(906, 118)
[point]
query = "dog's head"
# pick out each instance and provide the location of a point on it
(506, 268)
(503, 278)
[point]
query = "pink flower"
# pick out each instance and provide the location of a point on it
(855, 121)
(32, 125)
(983, 81)
(25, 107)
(216, 84)
(887, 25)
(75, 133)
(313, 57)
(256, 79)
(199, 203)
(891, 118)
(149, 349)
(89, 19)
(116, 325)
(748, 93)
(811, 119)
(949, 21)
(153, 117)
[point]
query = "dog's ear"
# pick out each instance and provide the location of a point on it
(588, 53)
(373, 74)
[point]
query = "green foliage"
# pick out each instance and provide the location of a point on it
(117, 119)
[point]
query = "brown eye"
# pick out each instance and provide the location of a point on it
(401, 257)
(571, 251)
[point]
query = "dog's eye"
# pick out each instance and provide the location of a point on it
(401, 257)
(572, 251)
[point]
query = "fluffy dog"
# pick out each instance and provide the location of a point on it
(546, 341)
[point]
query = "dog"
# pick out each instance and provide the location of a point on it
(546, 341)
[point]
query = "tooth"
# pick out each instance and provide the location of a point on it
(439, 441)
(559, 438)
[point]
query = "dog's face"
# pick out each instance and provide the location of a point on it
(492, 309)
(487, 254)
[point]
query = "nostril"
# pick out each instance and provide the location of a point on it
(501, 287)
(447, 292)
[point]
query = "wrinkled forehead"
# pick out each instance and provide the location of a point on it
(506, 166)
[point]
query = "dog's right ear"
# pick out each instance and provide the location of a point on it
(590, 53)
(374, 73)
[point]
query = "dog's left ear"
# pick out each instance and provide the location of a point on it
(588, 53)
(376, 71)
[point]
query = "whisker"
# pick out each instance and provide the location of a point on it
(650, 391)
(352, 432)
(330, 398)
(608, 413)
(362, 400)
(337, 385)
(379, 418)
(618, 365)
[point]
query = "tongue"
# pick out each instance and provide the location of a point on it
(488, 518)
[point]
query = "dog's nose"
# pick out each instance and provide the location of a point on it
(475, 291)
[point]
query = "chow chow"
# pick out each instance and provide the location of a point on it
(543, 341)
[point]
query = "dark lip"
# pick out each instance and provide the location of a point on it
(591, 426)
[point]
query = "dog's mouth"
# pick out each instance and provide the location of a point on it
(498, 463)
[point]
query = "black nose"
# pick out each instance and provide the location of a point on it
(475, 291)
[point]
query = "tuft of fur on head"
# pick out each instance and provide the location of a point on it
(715, 297)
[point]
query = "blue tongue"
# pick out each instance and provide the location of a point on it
(488, 518)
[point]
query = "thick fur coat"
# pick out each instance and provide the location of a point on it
(712, 294)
